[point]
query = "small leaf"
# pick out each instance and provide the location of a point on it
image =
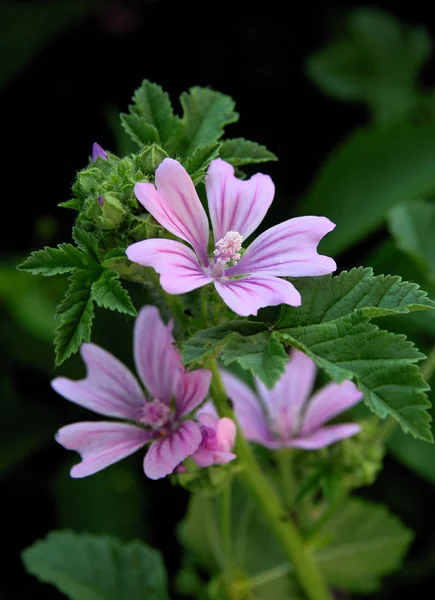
(107, 292)
(197, 164)
(413, 226)
(205, 114)
(74, 203)
(151, 118)
(87, 242)
(365, 543)
(53, 261)
(240, 152)
(76, 313)
(209, 341)
(263, 354)
(326, 298)
(97, 567)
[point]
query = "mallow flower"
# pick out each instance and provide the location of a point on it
(218, 437)
(158, 418)
(287, 416)
(247, 279)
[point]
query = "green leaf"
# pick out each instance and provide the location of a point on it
(74, 204)
(380, 363)
(366, 176)
(197, 164)
(208, 341)
(205, 114)
(365, 543)
(413, 226)
(151, 118)
(87, 242)
(377, 61)
(107, 292)
(327, 298)
(263, 354)
(53, 261)
(91, 567)
(76, 313)
(240, 152)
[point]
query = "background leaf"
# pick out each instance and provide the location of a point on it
(86, 567)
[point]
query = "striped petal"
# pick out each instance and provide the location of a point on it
(325, 436)
(176, 206)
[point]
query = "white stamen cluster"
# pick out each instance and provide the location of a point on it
(227, 248)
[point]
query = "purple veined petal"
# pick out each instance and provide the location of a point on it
(288, 250)
(101, 444)
(176, 206)
(246, 296)
(157, 360)
(180, 271)
(247, 408)
(285, 401)
(330, 401)
(109, 388)
(236, 205)
(191, 389)
(325, 436)
(167, 453)
(98, 152)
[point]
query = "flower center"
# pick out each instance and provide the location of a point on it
(155, 414)
(227, 248)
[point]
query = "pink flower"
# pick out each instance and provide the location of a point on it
(285, 416)
(110, 389)
(248, 280)
(218, 437)
(98, 152)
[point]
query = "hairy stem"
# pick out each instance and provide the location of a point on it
(306, 570)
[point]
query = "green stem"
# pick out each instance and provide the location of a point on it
(225, 526)
(309, 575)
(284, 461)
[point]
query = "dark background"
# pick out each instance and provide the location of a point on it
(54, 106)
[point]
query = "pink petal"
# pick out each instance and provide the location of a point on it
(157, 359)
(166, 454)
(247, 408)
(285, 401)
(288, 249)
(178, 265)
(191, 389)
(176, 206)
(328, 402)
(246, 296)
(325, 436)
(236, 205)
(101, 444)
(215, 447)
(207, 409)
(109, 388)
(226, 431)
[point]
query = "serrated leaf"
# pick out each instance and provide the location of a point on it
(76, 313)
(326, 298)
(74, 204)
(380, 363)
(151, 118)
(413, 226)
(53, 261)
(208, 341)
(239, 151)
(205, 114)
(365, 543)
(87, 242)
(107, 292)
(93, 567)
(197, 164)
(263, 354)
(368, 174)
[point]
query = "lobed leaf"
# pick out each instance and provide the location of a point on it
(198, 162)
(97, 567)
(239, 151)
(54, 261)
(107, 292)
